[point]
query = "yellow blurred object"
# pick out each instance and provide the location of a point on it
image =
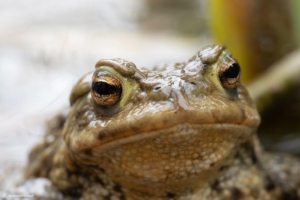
(257, 32)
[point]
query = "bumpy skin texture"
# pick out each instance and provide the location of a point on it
(180, 133)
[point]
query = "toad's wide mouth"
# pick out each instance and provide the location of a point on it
(220, 131)
(182, 156)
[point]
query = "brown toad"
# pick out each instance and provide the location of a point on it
(186, 132)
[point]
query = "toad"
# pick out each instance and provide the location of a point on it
(186, 132)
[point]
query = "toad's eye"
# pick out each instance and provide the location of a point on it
(230, 73)
(106, 90)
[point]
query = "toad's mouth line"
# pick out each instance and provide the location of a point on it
(184, 129)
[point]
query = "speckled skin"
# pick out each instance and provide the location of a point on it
(174, 134)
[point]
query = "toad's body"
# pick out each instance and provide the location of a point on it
(187, 132)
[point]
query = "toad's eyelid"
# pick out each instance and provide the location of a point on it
(102, 72)
(228, 57)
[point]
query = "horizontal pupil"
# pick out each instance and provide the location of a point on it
(103, 88)
(232, 71)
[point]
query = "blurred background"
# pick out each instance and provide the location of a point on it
(46, 46)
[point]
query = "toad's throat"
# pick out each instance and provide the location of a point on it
(182, 155)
